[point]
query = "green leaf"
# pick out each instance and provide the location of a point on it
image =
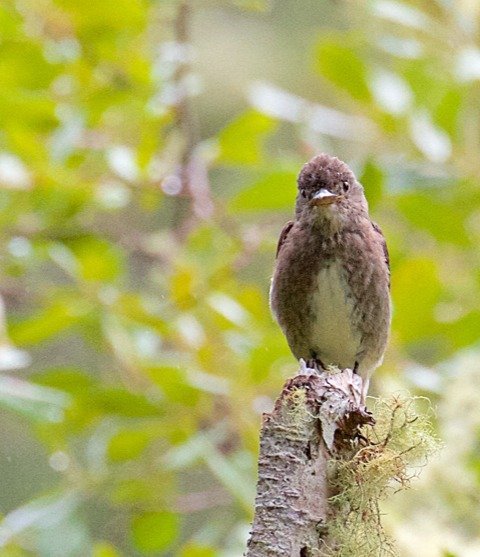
(123, 403)
(134, 491)
(254, 5)
(195, 550)
(69, 380)
(211, 249)
(342, 66)
(273, 192)
(173, 382)
(442, 218)
(98, 259)
(464, 331)
(416, 289)
(92, 396)
(182, 287)
(96, 21)
(447, 112)
(18, 73)
(427, 82)
(372, 179)
(104, 549)
(127, 445)
(139, 310)
(241, 140)
(47, 323)
(154, 531)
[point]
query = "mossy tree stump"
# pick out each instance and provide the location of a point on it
(325, 465)
(315, 417)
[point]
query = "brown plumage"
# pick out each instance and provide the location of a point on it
(330, 289)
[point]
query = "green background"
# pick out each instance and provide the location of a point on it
(137, 351)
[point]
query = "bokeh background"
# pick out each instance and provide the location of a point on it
(148, 155)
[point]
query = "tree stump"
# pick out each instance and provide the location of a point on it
(316, 418)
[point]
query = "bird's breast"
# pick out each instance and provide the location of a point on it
(333, 334)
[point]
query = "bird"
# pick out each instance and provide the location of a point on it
(330, 291)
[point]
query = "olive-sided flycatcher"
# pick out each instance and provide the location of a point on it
(330, 290)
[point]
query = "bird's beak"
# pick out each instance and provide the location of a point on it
(324, 197)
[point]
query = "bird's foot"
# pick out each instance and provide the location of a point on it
(363, 394)
(316, 364)
(361, 439)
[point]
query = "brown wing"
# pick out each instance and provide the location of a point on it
(283, 236)
(378, 230)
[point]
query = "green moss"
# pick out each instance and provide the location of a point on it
(390, 455)
(295, 406)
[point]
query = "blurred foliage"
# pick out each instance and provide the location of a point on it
(148, 154)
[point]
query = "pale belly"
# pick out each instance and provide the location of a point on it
(332, 335)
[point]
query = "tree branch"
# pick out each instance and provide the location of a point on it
(193, 173)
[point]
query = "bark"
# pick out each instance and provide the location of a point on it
(316, 418)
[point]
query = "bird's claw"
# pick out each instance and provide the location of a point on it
(315, 364)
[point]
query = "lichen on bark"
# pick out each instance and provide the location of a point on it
(325, 465)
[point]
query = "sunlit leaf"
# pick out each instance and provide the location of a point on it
(416, 289)
(463, 331)
(105, 549)
(212, 249)
(89, 18)
(98, 260)
(133, 490)
(154, 531)
(240, 142)
(174, 385)
(257, 5)
(442, 218)
(17, 73)
(97, 398)
(372, 179)
(342, 66)
(70, 380)
(141, 311)
(275, 191)
(123, 403)
(427, 85)
(51, 321)
(263, 356)
(128, 444)
(182, 287)
(447, 111)
(196, 550)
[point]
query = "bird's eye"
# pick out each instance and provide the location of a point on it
(345, 187)
(303, 193)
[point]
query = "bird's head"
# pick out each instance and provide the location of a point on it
(328, 191)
